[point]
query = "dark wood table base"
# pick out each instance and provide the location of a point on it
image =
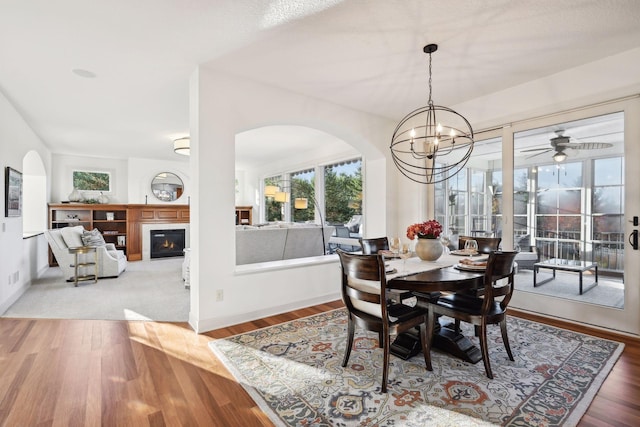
(426, 286)
(407, 345)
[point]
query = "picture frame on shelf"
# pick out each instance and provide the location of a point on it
(12, 192)
(110, 216)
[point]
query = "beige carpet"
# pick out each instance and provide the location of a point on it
(146, 290)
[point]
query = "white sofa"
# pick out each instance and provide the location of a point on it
(279, 241)
(111, 261)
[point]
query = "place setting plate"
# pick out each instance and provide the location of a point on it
(475, 265)
(470, 267)
(464, 252)
(389, 269)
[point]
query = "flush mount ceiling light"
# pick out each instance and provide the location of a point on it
(433, 143)
(182, 146)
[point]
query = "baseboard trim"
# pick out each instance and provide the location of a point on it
(206, 325)
(14, 297)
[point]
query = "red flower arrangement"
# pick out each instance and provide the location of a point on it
(425, 230)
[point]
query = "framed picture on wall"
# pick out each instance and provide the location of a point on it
(12, 192)
(91, 181)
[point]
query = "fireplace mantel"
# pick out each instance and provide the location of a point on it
(137, 215)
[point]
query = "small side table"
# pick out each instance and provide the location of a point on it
(81, 261)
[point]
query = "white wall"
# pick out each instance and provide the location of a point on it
(131, 178)
(221, 107)
(34, 209)
(142, 171)
(19, 259)
(64, 165)
(609, 78)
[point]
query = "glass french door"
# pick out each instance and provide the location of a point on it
(570, 198)
(559, 190)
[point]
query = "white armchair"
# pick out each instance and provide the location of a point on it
(111, 261)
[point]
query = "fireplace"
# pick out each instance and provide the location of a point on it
(167, 243)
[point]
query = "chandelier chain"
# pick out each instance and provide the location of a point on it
(430, 100)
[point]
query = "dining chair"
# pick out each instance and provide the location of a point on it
(485, 244)
(372, 246)
(364, 286)
(489, 309)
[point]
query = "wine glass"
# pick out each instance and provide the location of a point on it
(405, 253)
(446, 241)
(471, 247)
(394, 245)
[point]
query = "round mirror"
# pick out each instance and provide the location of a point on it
(167, 186)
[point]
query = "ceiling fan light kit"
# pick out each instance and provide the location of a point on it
(433, 143)
(559, 157)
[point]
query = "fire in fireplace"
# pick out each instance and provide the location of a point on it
(167, 243)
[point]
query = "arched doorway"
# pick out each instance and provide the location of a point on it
(34, 193)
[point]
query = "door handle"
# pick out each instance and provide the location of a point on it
(633, 239)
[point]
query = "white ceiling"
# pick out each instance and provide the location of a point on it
(362, 54)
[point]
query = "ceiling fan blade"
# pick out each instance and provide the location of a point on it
(537, 154)
(588, 145)
(535, 149)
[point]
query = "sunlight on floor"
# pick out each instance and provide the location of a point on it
(176, 341)
(132, 315)
(264, 363)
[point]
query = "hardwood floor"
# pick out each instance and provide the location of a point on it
(92, 373)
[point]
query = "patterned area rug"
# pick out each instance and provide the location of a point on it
(293, 372)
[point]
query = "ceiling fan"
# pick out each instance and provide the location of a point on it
(561, 143)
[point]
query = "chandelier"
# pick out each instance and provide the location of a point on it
(433, 143)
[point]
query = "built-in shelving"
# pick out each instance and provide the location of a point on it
(111, 220)
(244, 215)
(120, 224)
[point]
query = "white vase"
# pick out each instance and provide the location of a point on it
(75, 196)
(429, 249)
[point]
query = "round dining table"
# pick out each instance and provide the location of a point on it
(427, 285)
